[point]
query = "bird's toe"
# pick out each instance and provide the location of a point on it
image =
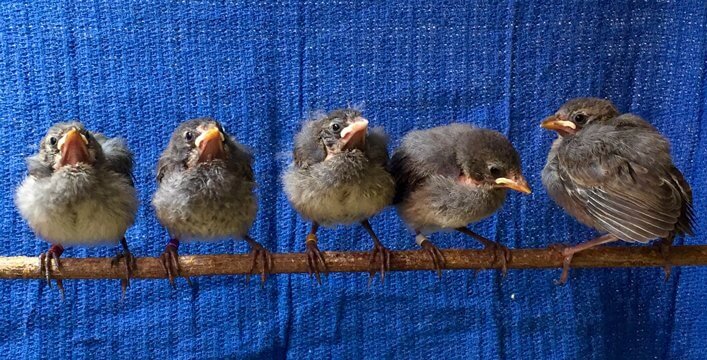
(436, 256)
(379, 261)
(315, 259)
(259, 252)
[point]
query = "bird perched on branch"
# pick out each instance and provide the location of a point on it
(339, 176)
(205, 192)
(614, 173)
(450, 176)
(79, 191)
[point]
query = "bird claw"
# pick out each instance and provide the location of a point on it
(437, 257)
(258, 251)
(379, 254)
(501, 254)
(130, 266)
(170, 263)
(567, 255)
(45, 266)
(314, 259)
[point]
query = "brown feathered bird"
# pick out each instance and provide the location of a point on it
(613, 172)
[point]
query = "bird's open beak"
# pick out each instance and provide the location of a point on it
(354, 135)
(74, 148)
(210, 145)
(555, 123)
(516, 183)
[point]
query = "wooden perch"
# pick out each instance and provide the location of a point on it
(22, 267)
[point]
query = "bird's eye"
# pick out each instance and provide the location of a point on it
(335, 127)
(188, 136)
(580, 118)
(495, 171)
(53, 141)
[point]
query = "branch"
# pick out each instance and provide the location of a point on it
(22, 267)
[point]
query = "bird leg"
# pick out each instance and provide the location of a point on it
(170, 262)
(314, 255)
(500, 252)
(258, 251)
(568, 252)
(379, 254)
(433, 252)
(45, 265)
(664, 246)
(130, 264)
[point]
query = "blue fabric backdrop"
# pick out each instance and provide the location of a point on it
(137, 69)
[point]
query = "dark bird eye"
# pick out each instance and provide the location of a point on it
(495, 171)
(53, 141)
(580, 119)
(336, 127)
(188, 136)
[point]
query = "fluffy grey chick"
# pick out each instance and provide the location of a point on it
(450, 176)
(79, 191)
(614, 173)
(205, 192)
(339, 176)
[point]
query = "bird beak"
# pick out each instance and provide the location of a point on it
(555, 123)
(516, 183)
(74, 148)
(354, 135)
(210, 145)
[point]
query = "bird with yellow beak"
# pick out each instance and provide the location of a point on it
(79, 192)
(205, 192)
(450, 176)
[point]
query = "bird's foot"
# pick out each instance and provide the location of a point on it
(379, 255)
(130, 266)
(45, 265)
(664, 246)
(435, 255)
(501, 255)
(567, 253)
(258, 251)
(170, 262)
(315, 260)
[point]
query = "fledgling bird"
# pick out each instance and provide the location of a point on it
(613, 172)
(79, 191)
(339, 176)
(450, 176)
(205, 192)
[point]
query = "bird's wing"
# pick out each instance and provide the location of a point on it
(626, 180)
(37, 167)
(308, 149)
(377, 150)
(167, 164)
(242, 159)
(406, 178)
(421, 155)
(118, 156)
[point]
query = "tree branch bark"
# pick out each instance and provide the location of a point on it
(22, 267)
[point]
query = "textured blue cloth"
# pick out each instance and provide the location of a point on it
(136, 69)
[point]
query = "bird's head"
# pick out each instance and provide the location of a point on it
(577, 113)
(68, 145)
(487, 159)
(200, 141)
(343, 130)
